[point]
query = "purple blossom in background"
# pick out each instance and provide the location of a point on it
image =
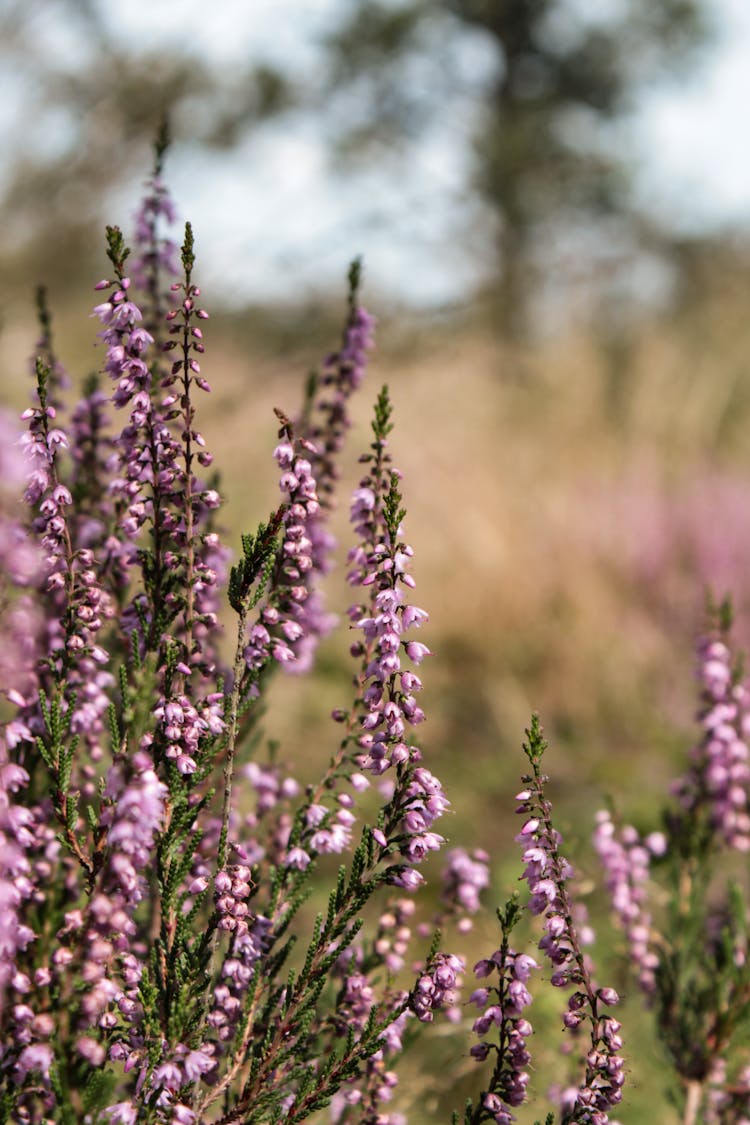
(343, 373)
(21, 569)
(156, 256)
(93, 451)
(719, 776)
(16, 886)
(465, 875)
(626, 860)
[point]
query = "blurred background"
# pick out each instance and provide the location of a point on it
(552, 199)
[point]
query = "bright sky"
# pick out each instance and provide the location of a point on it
(696, 138)
(273, 218)
(299, 227)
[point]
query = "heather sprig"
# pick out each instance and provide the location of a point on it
(156, 256)
(547, 873)
(325, 422)
(685, 923)
(501, 1003)
(715, 792)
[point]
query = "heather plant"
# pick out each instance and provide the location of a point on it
(679, 895)
(188, 933)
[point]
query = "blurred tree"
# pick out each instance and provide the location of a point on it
(83, 104)
(547, 160)
(536, 84)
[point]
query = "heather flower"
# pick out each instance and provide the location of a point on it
(77, 606)
(379, 564)
(394, 933)
(186, 504)
(283, 621)
(547, 873)
(156, 256)
(718, 781)
(626, 860)
(123, 1113)
(21, 568)
(343, 373)
(16, 886)
(436, 987)
(137, 445)
(134, 814)
(464, 876)
(501, 1007)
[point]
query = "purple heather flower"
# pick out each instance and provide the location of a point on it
(16, 886)
(436, 987)
(37, 1057)
(626, 862)
(183, 725)
(198, 1063)
(502, 1007)
(719, 777)
(155, 255)
(547, 873)
(464, 877)
(123, 1113)
(250, 939)
(343, 373)
(133, 819)
(286, 622)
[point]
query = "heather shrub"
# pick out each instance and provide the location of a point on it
(158, 860)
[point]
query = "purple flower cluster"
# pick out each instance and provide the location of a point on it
(380, 561)
(390, 693)
(16, 887)
(502, 1006)
(156, 256)
(184, 724)
(436, 987)
(375, 1088)
(133, 814)
(76, 604)
(188, 504)
(547, 873)
(249, 933)
(283, 621)
(44, 493)
(626, 861)
(719, 777)
(727, 1099)
(394, 934)
(233, 888)
(465, 875)
(343, 373)
(127, 344)
(93, 453)
(21, 568)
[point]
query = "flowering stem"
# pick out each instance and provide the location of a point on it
(318, 964)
